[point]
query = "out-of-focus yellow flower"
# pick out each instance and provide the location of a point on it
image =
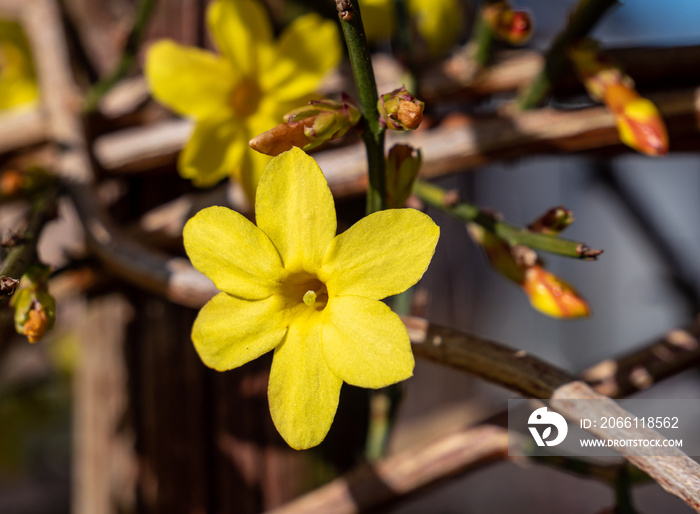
(290, 284)
(18, 85)
(639, 122)
(378, 19)
(242, 92)
(437, 22)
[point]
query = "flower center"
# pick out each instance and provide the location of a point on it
(316, 297)
(245, 98)
(304, 291)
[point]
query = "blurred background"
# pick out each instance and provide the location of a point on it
(114, 412)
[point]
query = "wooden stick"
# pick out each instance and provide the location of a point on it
(172, 277)
(435, 463)
(531, 377)
(460, 144)
(21, 128)
(671, 354)
(406, 472)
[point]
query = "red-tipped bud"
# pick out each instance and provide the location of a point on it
(513, 27)
(553, 221)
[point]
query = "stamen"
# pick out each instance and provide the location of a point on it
(310, 298)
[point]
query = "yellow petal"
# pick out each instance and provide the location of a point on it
(241, 31)
(438, 23)
(191, 81)
(18, 83)
(383, 254)
(307, 50)
(250, 172)
(366, 344)
(229, 332)
(236, 255)
(378, 18)
(303, 392)
(215, 150)
(295, 208)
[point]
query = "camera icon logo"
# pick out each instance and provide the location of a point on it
(544, 420)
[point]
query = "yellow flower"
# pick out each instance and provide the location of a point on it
(290, 284)
(242, 92)
(438, 22)
(18, 85)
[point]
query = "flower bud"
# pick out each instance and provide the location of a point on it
(400, 110)
(642, 128)
(553, 221)
(639, 122)
(402, 167)
(11, 182)
(553, 296)
(309, 126)
(35, 308)
(512, 27)
(498, 252)
(547, 293)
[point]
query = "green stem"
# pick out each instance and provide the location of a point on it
(384, 402)
(23, 254)
(583, 19)
(127, 61)
(623, 493)
(373, 134)
(513, 235)
(482, 38)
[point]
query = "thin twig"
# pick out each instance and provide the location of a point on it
(464, 211)
(461, 145)
(23, 253)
